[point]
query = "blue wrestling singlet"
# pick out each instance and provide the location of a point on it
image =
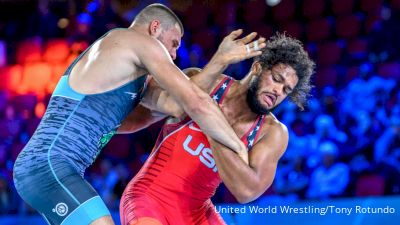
(48, 173)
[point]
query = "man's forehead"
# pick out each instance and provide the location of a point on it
(287, 71)
(176, 35)
(174, 32)
(282, 66)
(178, 28)
(284, 69)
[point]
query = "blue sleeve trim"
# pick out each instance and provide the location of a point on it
(87, 212)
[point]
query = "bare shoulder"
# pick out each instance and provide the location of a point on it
(275, 133)
(141, 47)
(272, 144)
(218, 81)
(129, 37)
(273, 125)
(276, 125)
(193, 74)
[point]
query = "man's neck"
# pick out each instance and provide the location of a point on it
(235, 106)
(138, 28)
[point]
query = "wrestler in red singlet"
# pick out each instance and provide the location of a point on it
(176, 183)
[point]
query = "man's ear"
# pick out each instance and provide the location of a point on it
(155, 28)
(256, 68)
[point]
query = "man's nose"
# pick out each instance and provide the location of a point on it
(173, 55)
(278, 89)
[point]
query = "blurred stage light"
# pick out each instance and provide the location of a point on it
(63, 23)
(272, 2)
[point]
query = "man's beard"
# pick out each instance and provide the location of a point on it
(252, 100)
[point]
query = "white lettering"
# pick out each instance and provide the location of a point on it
(206, 156)
(190, 150)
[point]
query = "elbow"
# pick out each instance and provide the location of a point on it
(250, 194)
(177, 113)
(198, 105)
(245, 196)
(243, 200)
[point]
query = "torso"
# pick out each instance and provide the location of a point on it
(76, 125)
(181, 169)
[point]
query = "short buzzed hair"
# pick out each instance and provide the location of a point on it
(159, 12)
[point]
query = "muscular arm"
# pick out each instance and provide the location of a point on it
(155, 105)
(139, 119)
(196, 103)
(157, 99)
(248, 181)
(229, 51)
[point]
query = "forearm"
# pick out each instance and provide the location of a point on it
(139, 119)
(195, 102)
(212, 121)
(209, 74)
(204, 79)
(168, 105)
(241, 180)
(201, 108)
(207, 115)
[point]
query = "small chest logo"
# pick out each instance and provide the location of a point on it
(61, 209)
(133, 95)
(105, 139)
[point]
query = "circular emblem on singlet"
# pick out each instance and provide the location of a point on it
(105, 138)
(61, 209)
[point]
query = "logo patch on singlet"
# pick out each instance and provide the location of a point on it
(133, 95)
(61, 209)
(105, 139)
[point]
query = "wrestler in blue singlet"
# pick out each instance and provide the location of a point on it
(48, 173)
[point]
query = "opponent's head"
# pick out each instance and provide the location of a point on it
(283, 69)
(162, 24)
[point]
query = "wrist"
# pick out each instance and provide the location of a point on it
(216, 64)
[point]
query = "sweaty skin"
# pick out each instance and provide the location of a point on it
(147, 53)
(246, 174)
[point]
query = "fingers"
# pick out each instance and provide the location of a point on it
(252, 54)
(258, 44)
(239, 58)
(234, 34)
(248, 50)
(249, 54)
(233, 50)
(255, 46)
(248, 38)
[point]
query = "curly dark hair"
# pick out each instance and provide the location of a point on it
(287, 50)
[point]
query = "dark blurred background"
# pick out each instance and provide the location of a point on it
(346, 144)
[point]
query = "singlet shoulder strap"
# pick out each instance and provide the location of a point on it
(217, 94)
(251, 136)
(222, 88)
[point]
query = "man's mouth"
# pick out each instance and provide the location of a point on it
(269, 99)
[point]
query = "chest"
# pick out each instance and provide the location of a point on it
(193, 145)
